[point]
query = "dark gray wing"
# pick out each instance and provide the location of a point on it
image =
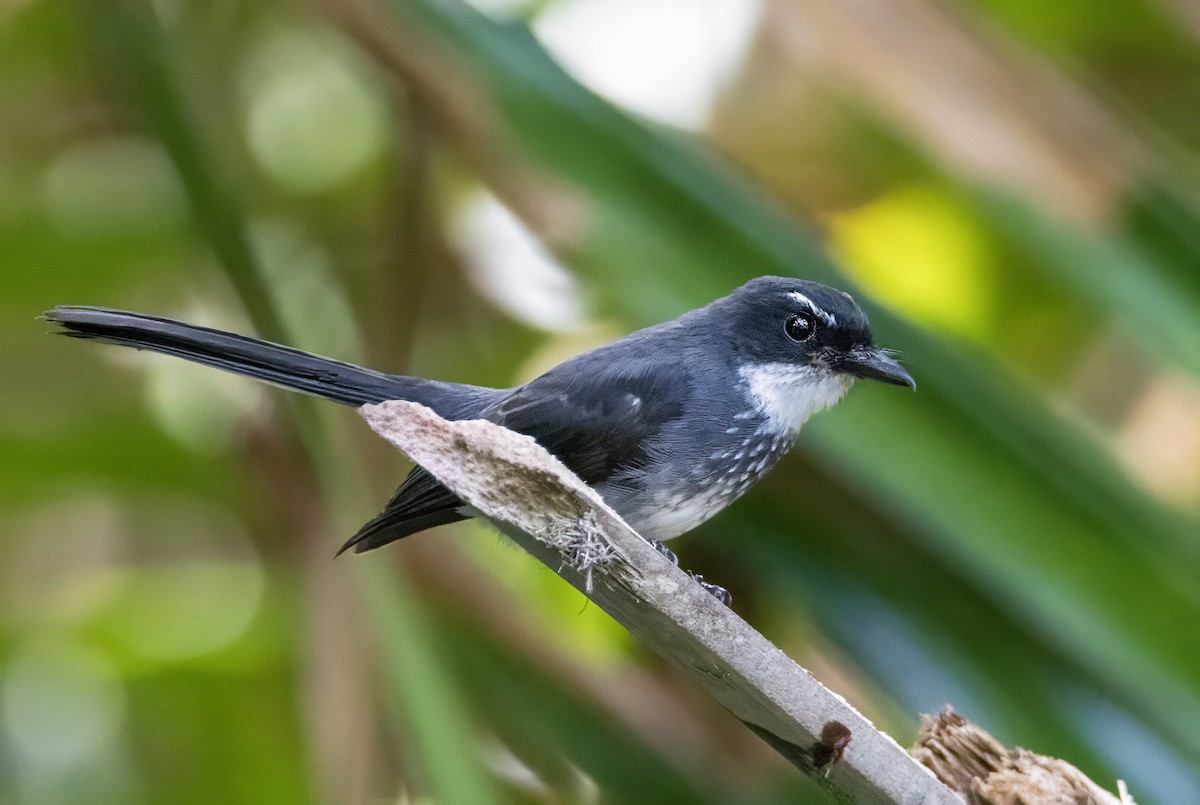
(596, 423)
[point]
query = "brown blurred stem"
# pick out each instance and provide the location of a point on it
(461, 115)
(131, 46)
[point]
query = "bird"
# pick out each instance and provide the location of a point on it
(669, 424)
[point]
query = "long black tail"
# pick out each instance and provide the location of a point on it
(291, 368)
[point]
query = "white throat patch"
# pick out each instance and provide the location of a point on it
(787, 395)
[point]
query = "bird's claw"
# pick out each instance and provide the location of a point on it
(715, 590)
(661, 547)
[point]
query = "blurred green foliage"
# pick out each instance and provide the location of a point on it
(1019, 539)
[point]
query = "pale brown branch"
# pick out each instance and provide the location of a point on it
(536, 501)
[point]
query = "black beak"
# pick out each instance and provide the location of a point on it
(875, 364)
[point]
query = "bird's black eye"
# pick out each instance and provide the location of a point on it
(801, 326)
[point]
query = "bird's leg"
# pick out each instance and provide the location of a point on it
(715, 590)
(662, 548)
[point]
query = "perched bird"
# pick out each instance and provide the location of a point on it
(669, 424)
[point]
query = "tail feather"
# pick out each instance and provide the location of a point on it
(334, 380)
(301, 371)
(419, 504)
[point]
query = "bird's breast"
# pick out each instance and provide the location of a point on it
(684, 494)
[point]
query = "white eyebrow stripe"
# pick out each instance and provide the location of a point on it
(804, 300)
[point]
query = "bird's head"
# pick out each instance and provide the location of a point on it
(800, 345)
